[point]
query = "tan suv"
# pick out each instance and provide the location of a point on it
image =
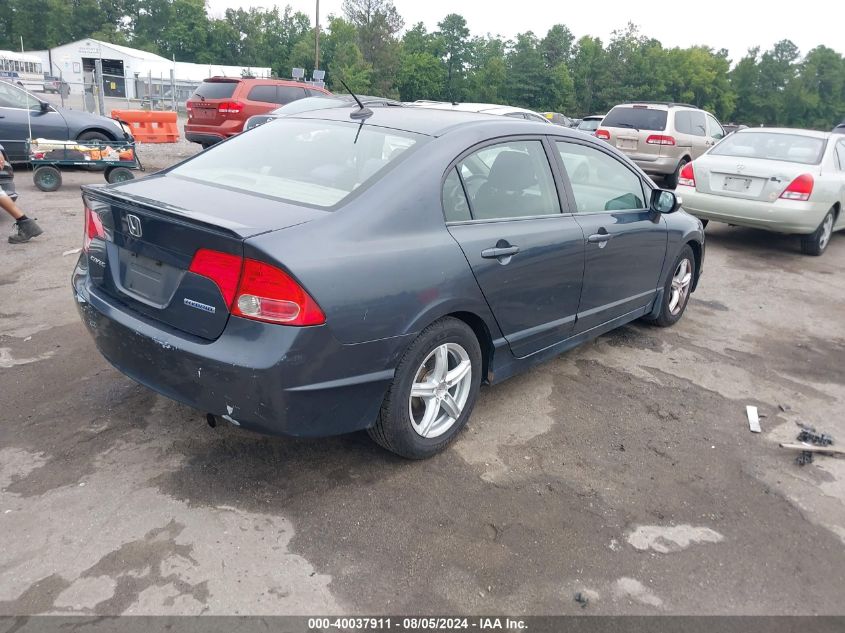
(661, 137)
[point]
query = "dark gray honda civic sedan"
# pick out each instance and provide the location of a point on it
(353, 269)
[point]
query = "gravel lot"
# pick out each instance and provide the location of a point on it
(623, 470)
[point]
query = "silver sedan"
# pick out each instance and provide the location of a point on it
(784, 180)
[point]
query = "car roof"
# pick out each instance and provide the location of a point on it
(427, 121)
(787, 130)
(593, 116)
(219, 79)
(489, 108)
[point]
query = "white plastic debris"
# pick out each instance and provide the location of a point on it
(753, 419)
(72, 251)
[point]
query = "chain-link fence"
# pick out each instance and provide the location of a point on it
(103, 92)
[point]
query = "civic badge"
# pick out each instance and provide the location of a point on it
(134, 224)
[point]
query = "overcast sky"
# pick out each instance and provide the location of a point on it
(732, 24)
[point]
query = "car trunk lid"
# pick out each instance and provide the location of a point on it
(747, 178)
(148, 245)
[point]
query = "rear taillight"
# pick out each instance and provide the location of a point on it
(603, 135)
(222, 268)
(660, 139)
(799, 189)
(256, 290)
(265, 293)
(230, 107)
(687, 176)
(93, 228)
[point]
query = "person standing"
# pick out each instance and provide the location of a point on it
(25, 228)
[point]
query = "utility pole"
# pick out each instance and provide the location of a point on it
(317, 39)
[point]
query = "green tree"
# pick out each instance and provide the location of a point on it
(343, 59)
(421, 76)
(377, 23)
(454, 39)
(557, 46)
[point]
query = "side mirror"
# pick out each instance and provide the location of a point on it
(664, 201)
(45, 107)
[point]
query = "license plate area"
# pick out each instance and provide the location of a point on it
(737, 185)
(146, 279)
(626, 143)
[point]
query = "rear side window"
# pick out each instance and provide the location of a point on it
(600, 182)
(509, 180)
(455, 205)
(638, 118)
(267, 94)
(792, 148)
(286, 94)
(311, 162)
(589, 125)
(216, 89)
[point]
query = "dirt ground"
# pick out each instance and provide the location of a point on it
(623, 470)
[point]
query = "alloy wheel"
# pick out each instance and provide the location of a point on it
(827, 231)
(681, 281)
(440, 390)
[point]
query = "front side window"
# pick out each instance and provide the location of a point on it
(312, 162)
(599, 181)
(13, 97)
(715, 128)
(509, 180)
(286, 94)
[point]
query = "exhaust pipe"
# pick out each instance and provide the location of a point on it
(212, 421)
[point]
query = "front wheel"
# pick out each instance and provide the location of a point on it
(816, 242)
(677, 290)
(433, 393)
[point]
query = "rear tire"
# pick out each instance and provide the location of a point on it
(118, 174)
(93, 136)
(405, 425)
(677, 290)
(672, 179)
(816, 243)
(47, 178)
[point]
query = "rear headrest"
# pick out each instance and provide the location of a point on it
(512, 171)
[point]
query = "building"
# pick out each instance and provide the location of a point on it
(132, 73)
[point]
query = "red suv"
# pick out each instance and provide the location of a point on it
(220, 105)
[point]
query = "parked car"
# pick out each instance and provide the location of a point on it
(789, 181)
(54, 84)
(21, 111)
(589, 124)
(483, 108)
(661, 137)
(574, 123)
(316, 103)
(7, 176)
(220, 106)
(344, 269)
(730, 128)
(558, 119)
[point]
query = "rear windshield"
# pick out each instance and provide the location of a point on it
(589, 125)
(792, 148)
(636, 118)
(305, 161)
(216, 89)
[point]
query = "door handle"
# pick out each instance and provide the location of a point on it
(499, 251)
(599, 238)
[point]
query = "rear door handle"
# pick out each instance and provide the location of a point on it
(499, 251)
(599, 238)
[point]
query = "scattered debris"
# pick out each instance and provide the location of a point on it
(753, 419)
(72, 251)
(819, 439)
(804, 458)
(581, 599)
(27, 339)
(784, 407)
(807, 452)
(622, 447)
(806, 427)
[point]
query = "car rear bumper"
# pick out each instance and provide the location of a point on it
(782, 216)
(200, 133)
(203, 138)
(659, 165)
(268, 378)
